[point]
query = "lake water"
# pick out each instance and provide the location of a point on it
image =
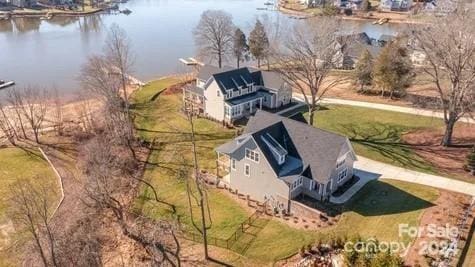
(50, 53)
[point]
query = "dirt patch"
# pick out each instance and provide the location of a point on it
(448, 160)
(447, 211)
(175, 89)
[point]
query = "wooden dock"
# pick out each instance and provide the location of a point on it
(5, 85)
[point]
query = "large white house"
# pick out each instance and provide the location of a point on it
(227, 95)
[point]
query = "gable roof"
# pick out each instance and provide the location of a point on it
(317, 149)
(233, 79)
(269, 79)
(229, 78)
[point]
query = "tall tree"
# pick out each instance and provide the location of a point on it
(118, 53)
(258, 42)
(240, 47)
(307, 57)
(449, 48)
(393, 69)
(214, 35)
(364, 70)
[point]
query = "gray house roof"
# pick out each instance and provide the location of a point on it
(316, 150)
(233, 79)
(229, 78)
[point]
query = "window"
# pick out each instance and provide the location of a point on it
(247, 170)
(252, 155)
(233, 164)
(218, 93)
(342, 175)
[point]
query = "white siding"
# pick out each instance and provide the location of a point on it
(214, 104)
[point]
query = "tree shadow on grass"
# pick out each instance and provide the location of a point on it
(379, 198)
(386, 140)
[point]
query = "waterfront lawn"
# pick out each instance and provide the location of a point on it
(17, 164)
(375, 211)
(377, 134)
(158, 117)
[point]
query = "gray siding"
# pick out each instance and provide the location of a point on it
(262, 180)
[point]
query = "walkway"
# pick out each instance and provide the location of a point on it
(367, 170)
(387, 171)
(408, 110)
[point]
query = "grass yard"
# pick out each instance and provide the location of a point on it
(376, 134)
(375, 211)
(379, 208)
(19, 164)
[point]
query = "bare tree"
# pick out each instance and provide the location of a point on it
(15, 99)
(58, 119)
(118, 53)
(6, 126)
(449, 49)
(307, 58)
(109, 186)
(30, 211)
(214, 35)
(34, 108)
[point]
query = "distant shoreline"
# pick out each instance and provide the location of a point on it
(54, 13)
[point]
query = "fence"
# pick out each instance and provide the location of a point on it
(221, 242)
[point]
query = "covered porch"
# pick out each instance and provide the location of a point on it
(242, 106)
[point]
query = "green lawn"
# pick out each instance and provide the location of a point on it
(375, 211)
(19, 164)
(379, 208)
(376, 134)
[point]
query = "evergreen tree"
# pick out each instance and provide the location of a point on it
(240, 47)
(471, 161)
(364, 70)
(258, 42)
(393, 69)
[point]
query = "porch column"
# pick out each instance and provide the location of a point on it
(260, 103)
(250, 106)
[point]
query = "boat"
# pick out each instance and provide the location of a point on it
(268, 3)
(261, 8)
(48, 16)
(5, 84)
(382, 21)
(126, 11)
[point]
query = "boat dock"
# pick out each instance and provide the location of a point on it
(5, 84)
(191, 62)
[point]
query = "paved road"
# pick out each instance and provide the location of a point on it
(408, 110)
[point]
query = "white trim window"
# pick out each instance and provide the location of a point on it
(296, 184)
(252, 155)
(233, 164)
(340, 163)
(247, 170)
(342, 175)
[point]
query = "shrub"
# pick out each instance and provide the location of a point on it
(331, 10)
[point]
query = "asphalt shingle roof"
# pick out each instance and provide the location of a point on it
(318, 149)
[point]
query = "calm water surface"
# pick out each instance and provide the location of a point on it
(50, 53)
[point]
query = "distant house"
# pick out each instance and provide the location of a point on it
(227, 94)
(395, 5)
(353, 46)
(280, 159)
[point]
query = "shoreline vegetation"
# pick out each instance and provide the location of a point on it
(394, 17)
(50, 12)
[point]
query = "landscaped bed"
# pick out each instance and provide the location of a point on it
(17, 164)
(375, 211)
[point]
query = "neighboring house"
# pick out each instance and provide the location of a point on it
(395, 5)
(227, 95)
(279, 159)
(353, 47)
